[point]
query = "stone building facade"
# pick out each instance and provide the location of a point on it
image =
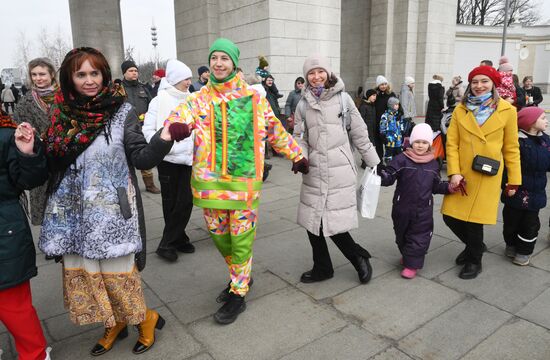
(362, 38)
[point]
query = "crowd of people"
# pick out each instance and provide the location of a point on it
(77, 136)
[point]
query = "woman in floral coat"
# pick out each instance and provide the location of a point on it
(94, 216)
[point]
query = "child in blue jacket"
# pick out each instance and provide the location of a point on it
(522, 203)
(392, 128)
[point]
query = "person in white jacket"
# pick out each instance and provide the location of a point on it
(175, 170)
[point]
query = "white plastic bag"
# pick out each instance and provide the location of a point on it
(367, 193)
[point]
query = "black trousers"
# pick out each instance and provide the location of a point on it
(521, 228)
(470, 234)
(7, 106)
(322, 265)
(177, 203)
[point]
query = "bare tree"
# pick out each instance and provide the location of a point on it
(129, 53)
(146, 69)
(53, 45)
(23, 51)
(491, 12)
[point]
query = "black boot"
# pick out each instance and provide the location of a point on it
(224, 295)
(186, 247)
(461, 258)
(311, 277)
(168, 254)
(364, 269)
(470, 271)
(230, 310)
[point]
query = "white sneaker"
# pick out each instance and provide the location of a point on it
(522, 260)
(48, 349)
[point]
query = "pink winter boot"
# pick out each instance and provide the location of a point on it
(408, 273)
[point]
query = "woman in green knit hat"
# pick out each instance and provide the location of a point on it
(230, 120)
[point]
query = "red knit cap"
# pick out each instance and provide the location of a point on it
(528, 116)
(488, 71)
(160, 73)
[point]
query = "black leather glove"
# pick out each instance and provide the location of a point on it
(179, 131)
(301, 165)
(380, 167)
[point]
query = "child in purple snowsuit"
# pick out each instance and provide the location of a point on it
(417, 175)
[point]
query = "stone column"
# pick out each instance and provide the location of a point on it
(435, 45)
(197, 27)
(355, 43)
(404, 38)
(98, 24)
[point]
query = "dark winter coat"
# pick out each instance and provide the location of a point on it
(273, 98)
(138, 95)
(153, 89)
(535, 163)
(381, 104)
(292, 101)
(535, 93)
(368, 113)
(436, 95)
(29, 111)
(18, 172)
(412, 210)
(520, 98)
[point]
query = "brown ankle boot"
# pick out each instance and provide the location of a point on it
(150, 185)
(147, 331)
(119, 331)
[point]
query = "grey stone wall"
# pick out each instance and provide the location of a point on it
(98, 24)
(284, 31)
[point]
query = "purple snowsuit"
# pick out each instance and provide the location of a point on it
(412, 211)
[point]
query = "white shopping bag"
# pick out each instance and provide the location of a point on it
(367, 193)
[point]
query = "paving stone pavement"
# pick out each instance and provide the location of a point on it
(503, 314)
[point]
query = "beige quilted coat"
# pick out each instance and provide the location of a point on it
(328, 192)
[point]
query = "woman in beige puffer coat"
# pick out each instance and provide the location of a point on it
(328, 194)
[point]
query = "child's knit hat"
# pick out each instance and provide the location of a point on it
(369, 93)
(392, 101)
(422, 132)
(263, 62)
(380, 79)
(528, 116)
(504, 64)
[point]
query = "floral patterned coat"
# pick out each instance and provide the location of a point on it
(96, 212)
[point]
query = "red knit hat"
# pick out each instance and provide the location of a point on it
(488, 71)
(160, 73)
(528, 116)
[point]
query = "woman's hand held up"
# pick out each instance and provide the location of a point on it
(24, 138)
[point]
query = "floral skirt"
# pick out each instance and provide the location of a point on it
(107, 291)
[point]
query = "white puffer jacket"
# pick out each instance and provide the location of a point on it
(167, 99)
(328, 192)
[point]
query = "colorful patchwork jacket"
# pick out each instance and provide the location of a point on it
(231, 122)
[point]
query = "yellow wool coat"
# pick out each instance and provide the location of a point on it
(497, 139)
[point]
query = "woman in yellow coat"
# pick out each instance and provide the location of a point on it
(485, 126)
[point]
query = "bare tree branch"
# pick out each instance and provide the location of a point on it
(491, 12)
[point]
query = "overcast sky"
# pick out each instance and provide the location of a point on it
(30, 16)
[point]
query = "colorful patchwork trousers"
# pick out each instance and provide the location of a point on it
(233, 232)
